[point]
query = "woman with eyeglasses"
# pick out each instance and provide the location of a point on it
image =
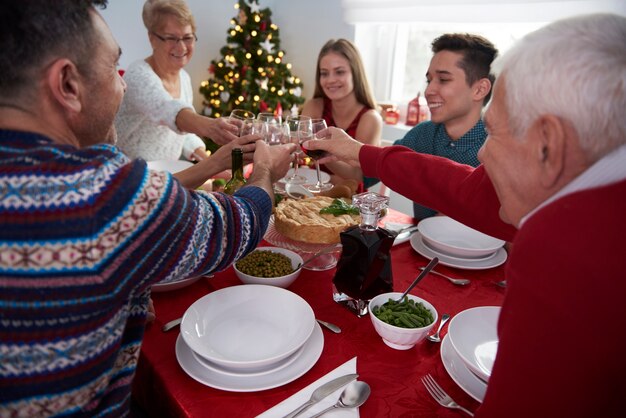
(157, 120)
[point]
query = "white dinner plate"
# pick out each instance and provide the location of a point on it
(179, 284)
(311, 352)
(461, 375)
(451, 237)
(309, 174)
(474, 335)
(249, 373)
(247, 327)
(452, 257)
(498, 259)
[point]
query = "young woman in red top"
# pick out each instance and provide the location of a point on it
(344, 99)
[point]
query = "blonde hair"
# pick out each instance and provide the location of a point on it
(154, 11)
(347, 49)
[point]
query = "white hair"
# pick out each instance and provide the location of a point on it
(575, 69)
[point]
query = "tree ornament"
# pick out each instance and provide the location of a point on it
(294, 110)
(263, 83)
(254, 7)
(263, 106)
(267, 45)
(279, 110)
(224, 96)
(243, 19)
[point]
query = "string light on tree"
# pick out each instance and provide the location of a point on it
(252, 73)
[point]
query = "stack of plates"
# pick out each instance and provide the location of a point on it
(248, 338)
(469, 349)
(457, 245)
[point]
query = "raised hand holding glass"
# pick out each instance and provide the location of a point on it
(317, 127)
(300, 130)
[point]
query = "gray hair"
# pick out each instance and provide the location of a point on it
(575, 69)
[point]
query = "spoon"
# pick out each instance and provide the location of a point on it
(435, 337)
(423, 274)
(323, 251)
(460, 282)
(353, 396)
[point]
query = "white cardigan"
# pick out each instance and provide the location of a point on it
(146, 122)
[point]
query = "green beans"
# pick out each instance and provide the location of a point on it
(404, 314)
(265, 264)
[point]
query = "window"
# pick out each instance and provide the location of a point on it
(394, 36)
(396, 56)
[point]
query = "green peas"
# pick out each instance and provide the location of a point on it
(404, 314)
(265, 264)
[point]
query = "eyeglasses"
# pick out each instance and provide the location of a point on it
(172, 41)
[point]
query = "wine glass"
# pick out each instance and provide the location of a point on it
(318, 125)
(273, 128)
(299, 130)
(241, 119)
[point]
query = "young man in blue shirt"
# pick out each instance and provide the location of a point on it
(459, 85)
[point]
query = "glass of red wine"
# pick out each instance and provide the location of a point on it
(317, 126)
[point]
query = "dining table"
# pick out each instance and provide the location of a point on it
(162, 389)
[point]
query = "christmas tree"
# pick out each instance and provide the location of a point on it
(252, 73)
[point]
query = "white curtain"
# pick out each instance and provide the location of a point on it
(398, 11)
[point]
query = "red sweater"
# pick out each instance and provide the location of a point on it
(566, 280)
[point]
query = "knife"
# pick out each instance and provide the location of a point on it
(323, 391)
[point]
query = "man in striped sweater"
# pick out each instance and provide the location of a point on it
(84, 231)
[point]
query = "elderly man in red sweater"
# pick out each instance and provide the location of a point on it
(554, 167)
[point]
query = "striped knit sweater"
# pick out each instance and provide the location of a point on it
(83, 235)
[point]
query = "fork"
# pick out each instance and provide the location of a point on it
(441, 396)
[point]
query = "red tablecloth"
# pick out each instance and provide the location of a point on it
(162, 388)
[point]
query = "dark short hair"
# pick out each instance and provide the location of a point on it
(35, 31)
(478, 54)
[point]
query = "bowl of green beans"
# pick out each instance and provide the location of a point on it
(402, 324)
(271, 266)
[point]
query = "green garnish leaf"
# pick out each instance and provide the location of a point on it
(340, 207)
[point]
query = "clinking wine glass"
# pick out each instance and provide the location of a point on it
(272, 129)
(299, 130)
(318, 126)
(241, 119)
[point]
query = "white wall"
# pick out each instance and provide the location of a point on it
(304, 26)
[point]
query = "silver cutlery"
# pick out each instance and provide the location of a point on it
(334, 328)
(458, 282)
(323, 391)
(353, 396)
(501, 283)
(406, 231)
(424, 273)
(172, 324)
(441, 396)
(435, 337)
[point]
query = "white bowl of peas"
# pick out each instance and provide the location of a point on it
(271, 266)
(402, 324)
